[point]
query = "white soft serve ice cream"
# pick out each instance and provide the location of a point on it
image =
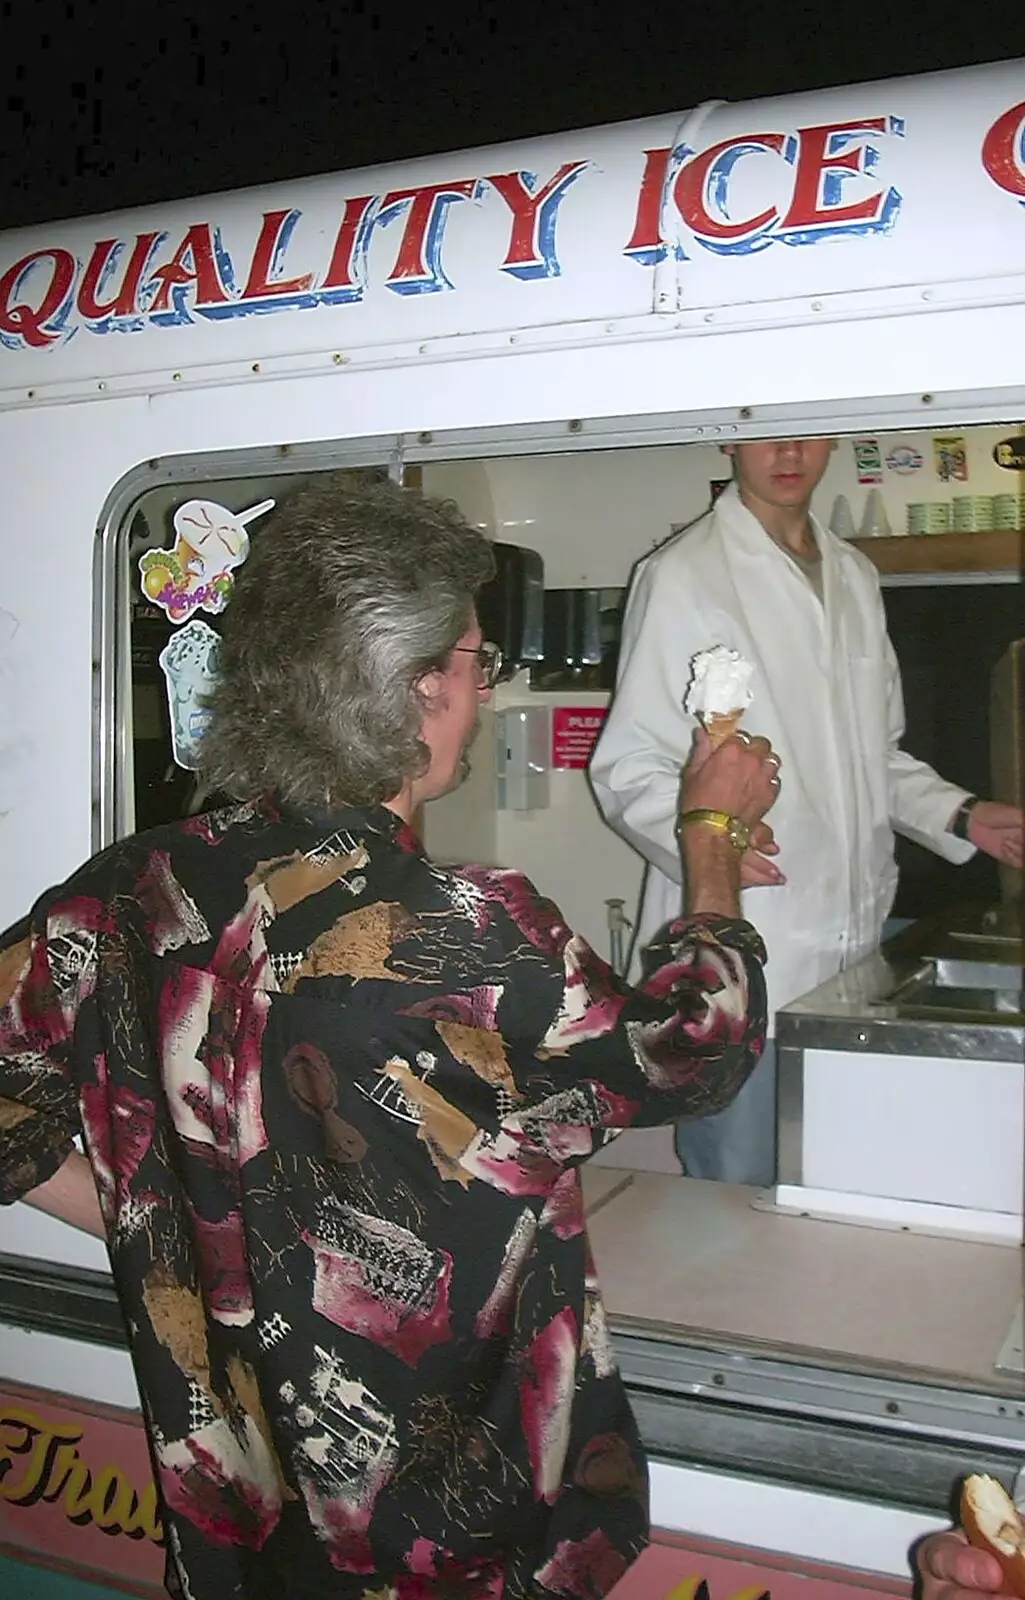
(720, 685)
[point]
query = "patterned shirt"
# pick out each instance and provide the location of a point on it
(335, 1099)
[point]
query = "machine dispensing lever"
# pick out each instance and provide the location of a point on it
(618, 924)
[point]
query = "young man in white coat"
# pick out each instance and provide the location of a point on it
(760, 575)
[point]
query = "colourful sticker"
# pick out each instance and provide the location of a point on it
(904, 458)
(196, 574)
(189, 664)
(1010, 453)
(868, 460)
(951, 457)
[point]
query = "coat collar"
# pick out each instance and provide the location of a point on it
(746, 541)
(375, 819)
(796, 638)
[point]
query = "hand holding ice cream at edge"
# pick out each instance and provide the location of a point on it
(718, 696)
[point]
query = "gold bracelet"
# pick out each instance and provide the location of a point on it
(735, 829)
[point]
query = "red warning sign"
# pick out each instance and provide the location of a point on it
(575, 731)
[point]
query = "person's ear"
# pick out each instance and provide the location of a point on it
(431, 687)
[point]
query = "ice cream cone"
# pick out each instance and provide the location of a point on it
(722, 725)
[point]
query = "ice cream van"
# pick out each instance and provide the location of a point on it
(560, 335)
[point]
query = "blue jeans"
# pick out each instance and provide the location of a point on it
(737, 1145)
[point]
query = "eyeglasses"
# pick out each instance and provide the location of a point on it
(489, 659)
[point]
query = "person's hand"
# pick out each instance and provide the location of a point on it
(950, 1569)
(756, 870)
(741, 777)
(997, 829)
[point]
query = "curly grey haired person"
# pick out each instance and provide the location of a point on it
(353, 590)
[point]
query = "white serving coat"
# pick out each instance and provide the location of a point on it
(826, 691)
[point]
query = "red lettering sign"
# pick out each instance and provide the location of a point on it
(24, 320)
(277, 225)
(826, 155)
(194, 262)
(1003, 151)
(342, 279)
(646, 245)
(100, 268)
(575, 731)
(418, 264)
(531, 252)
(713, 166)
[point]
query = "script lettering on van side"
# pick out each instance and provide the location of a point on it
(39, 1461)
(831, 175)
(696, 1588)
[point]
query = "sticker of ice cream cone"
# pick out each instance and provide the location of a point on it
(189, 664)
(196, 574)
(719, 692)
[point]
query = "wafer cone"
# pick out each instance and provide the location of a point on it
(722, 725)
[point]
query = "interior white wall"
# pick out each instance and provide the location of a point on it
(591, 516)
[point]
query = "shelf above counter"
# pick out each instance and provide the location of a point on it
(995, 550)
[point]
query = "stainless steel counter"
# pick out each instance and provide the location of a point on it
(946, 987)
(901, 1084)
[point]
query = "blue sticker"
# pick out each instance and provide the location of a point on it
(904, 459)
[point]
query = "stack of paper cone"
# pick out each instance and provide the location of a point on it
(722, 725)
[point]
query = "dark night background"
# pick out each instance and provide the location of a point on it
(108, 104)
